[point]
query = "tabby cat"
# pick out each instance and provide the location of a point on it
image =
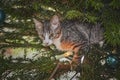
(68, 35)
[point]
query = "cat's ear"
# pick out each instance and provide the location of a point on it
(55, 22)
(38, 24)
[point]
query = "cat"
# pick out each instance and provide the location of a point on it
(69, 35)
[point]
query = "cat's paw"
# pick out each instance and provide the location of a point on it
(76, 59)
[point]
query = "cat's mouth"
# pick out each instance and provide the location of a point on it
(46, 44)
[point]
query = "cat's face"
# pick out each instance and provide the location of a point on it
(49, 30)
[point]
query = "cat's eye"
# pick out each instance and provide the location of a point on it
(51, 35)
(42, 36)
(57, 34)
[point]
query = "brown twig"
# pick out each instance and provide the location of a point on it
(54, 71)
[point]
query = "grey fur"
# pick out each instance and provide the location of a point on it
(85, 33)
(72, 31)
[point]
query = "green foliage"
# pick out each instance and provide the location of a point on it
(92, 69)
(95, 4)
(112, 34)
(20, 13)
(115, 4)
(25, 69)
(73, 14)
(90, 18)
(112, 26)
(18, 31)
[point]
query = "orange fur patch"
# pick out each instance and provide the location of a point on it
(65, 45)
(70, 46)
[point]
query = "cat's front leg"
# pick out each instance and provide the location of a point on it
(76, 57)
(68, 53)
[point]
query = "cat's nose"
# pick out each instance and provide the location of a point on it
(46, 44)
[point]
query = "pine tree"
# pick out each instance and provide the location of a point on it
(17, 31)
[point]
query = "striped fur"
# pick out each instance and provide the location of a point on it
(69, 35)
